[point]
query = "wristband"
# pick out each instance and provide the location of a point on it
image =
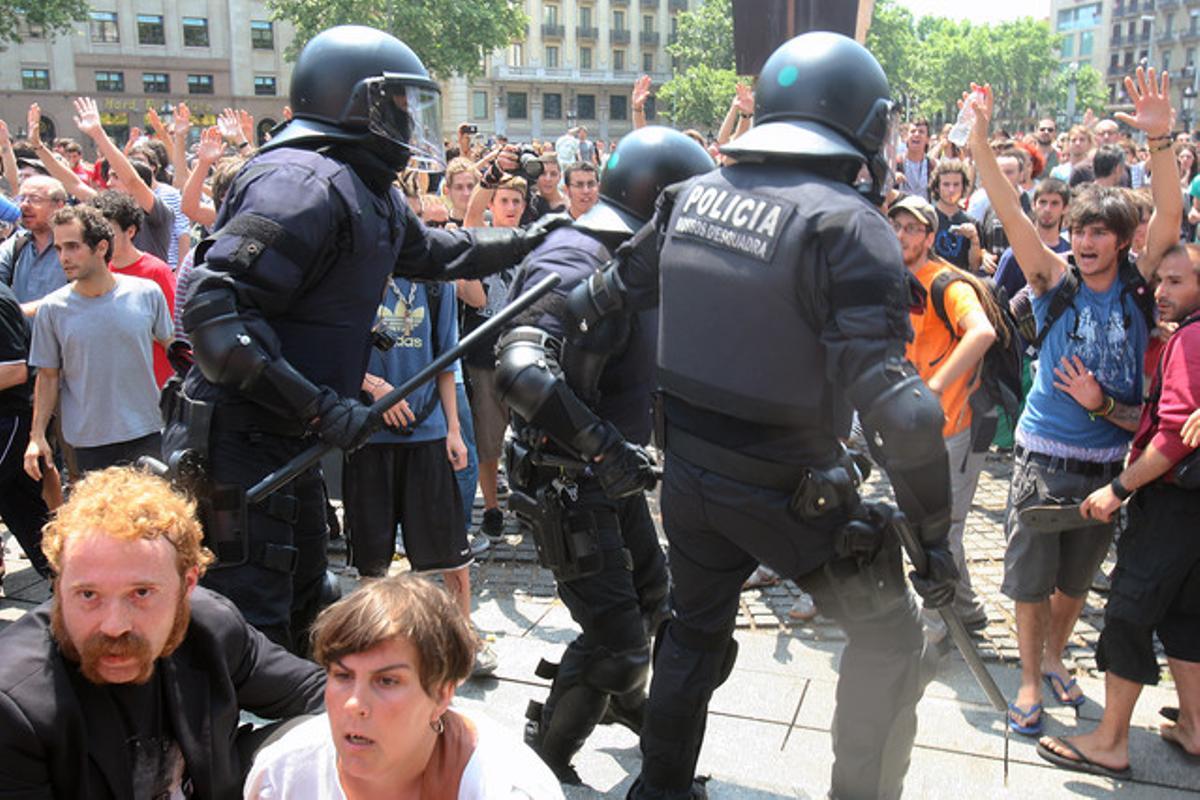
(1166, 144)
(243, 146)
(1119, 489)
(1104, 410)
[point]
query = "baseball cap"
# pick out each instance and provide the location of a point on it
(919, 207)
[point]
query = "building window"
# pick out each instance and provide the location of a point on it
(552, 105)
(585, 104)
(34, 30)
(549, 15)
(618, 107)
(1068, 47)
(479, 105)
(650, 108)
(647, 22)
(262, 34)
(648, 61)
(1073, 19)
(33, 80)
(110, 81)
(619, 20)
(103, 26)
(517, 55)
(150, 29)
(618, 60)
(551, 56)
(585, 58)
(156, 83)
(518, 105)
(200, 84)
(1087, 42)
(195, 31)
(264, 85)
(1166, 60)
(585, 16)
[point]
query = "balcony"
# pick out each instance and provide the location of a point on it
(1190, 34)
(1132, 7)
(649, 3)
(1167, 38)
(619, 36)
(1118, 70)
(618, 2)
(649, 38)
(586, 32)
(552, 31)
(569, 75)
(1165, 4)
(677, 5)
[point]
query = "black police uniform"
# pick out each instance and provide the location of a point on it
(604, 551)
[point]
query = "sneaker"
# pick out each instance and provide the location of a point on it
(480, 544)
(761, 578)
(485, 661)
(804, 609)
(493, 524)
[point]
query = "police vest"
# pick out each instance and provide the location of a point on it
(734, 266)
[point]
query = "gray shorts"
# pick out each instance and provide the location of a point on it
(1035, 564)
(489, 414)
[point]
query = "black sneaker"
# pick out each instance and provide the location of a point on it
(493, 524)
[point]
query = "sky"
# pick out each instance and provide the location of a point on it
(979, 11)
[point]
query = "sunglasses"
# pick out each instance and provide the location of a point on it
(1047, 130)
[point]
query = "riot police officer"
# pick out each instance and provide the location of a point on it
(783, 306)
(581, 414)
(283, 300)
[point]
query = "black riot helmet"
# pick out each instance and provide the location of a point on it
(822, 96)
(645, 162)
(360, 85)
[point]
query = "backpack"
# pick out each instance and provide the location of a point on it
(1132, 284)
(19, 244)
(999, 370)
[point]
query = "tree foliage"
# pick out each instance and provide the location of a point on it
(931, 61)
(54, 17)
(450, 36)
(699, 93)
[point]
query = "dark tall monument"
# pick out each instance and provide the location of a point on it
(759, 26)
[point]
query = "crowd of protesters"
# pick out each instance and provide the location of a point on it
(95, 263)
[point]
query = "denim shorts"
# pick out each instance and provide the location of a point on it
(1037, 563)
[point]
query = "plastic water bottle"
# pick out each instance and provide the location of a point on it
(966, 120)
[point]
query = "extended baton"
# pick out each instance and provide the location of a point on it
(294, 468)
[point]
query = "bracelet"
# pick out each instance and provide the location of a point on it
(1158, 148)
(745, 116)
(243, 145)
(1119, 489)
(1104, 410)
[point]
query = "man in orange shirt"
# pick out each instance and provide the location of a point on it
(948, 362)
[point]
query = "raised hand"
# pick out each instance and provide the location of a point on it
(743, 100)
(155, 121)
(246, 121)
(34, 120)
(982, 101)
(287, 112)
(641, 91)
(87, 117)
(211, 145)
(5, 140)
(1152, 107)
(183, 119)
(229, 126)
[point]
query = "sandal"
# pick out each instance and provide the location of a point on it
(1078, 762)
(1032, 715)
(1062, 689)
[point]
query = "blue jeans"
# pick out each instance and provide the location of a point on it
(468, 476)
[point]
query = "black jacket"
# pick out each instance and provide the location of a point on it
(61, 736)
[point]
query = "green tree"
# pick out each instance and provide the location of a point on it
(892, 39)
(1091, 91)
(699, 92)
(450, 36)
(52, 16)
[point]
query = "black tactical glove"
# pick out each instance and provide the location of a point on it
(624, 469)
(344, 423)
(535, 232)
(936, 586)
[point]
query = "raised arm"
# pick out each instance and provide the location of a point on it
(8, 158)
(641, 92)
(192, 201)
(1042, 266)
(1154, 115)
(70, 181)
(183, 124)
(87, 119)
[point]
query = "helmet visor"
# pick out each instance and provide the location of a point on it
(410, 115)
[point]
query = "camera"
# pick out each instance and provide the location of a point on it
(530, 164)
(471, 129)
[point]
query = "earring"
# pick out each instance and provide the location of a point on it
(437, 726)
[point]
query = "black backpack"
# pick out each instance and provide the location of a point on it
(1132, 284)
(1000, 370)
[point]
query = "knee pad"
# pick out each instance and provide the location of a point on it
(618, 673)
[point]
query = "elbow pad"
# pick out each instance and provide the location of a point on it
(229, 355)
(601, 295)
(529, 382)
(903, 422)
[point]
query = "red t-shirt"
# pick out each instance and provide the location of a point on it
(1160, 423)
(155, 269)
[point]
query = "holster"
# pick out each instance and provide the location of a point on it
(566, 543)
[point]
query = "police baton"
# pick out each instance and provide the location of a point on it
(294, 468)
(958, 631)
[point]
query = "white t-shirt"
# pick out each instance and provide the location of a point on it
(303, 766)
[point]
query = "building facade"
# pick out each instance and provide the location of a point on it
(576, 66)
(1116, 36)
(132, 55)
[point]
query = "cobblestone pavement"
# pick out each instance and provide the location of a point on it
(511, 567)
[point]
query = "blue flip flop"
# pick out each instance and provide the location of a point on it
(1060, 689)
(1014, 724)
